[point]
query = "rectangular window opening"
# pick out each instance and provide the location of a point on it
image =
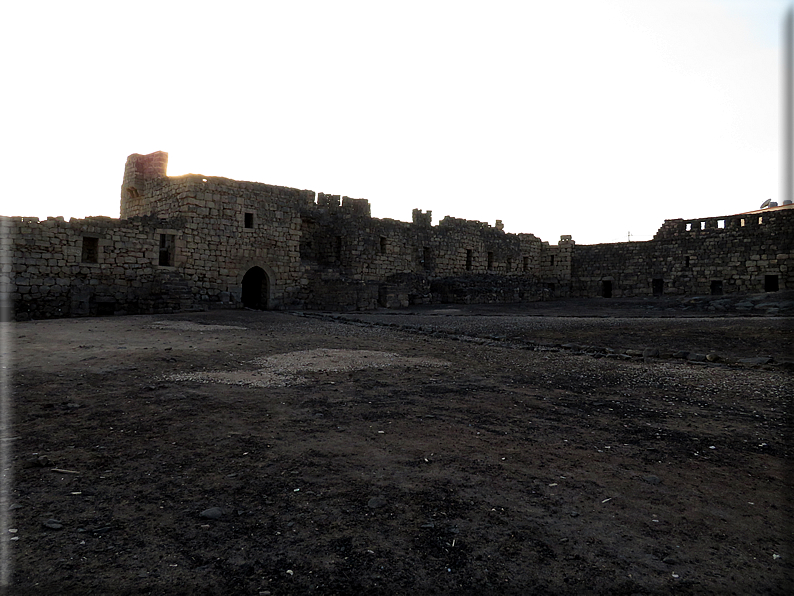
(526, 264)
(551, 262)
(702, 225)
(90, 250)
(249, 220)
(686, 261)
(721, 224)
(760, 220)
(509, 264)
(606, 288)
(689, 227)
(490, 261)
(742, 222)
(383, 245)
(426, 257)
(771, 283)
(166, 258)
(468, 260)
(716, 287)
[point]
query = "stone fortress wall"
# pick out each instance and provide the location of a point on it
(744, 253)
(197, 242)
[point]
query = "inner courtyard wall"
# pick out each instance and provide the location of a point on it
(188, 242)
(728, 254)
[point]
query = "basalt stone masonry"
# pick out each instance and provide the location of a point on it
(197, 242)
(747, 253)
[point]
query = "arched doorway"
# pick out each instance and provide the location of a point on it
(256, 288)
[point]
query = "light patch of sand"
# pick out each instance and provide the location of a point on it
(188, 326)
(282, 370)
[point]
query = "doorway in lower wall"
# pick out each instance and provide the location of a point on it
(771, 283)
(658, 287)
(256, 289)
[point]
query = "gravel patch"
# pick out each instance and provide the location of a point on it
(283, 370)
(189, 326)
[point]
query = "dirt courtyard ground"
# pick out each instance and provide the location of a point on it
(437, 450)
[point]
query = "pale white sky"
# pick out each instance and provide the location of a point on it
(592, 118)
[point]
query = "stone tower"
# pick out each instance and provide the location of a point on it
(137, 171)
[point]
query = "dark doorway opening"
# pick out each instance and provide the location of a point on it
(606, 288)
(256, 288)
(716, 287)
(658, 287)
(166, 258)
(771, 283)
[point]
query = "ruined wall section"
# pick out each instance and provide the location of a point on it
(730, 254)
(346, 254)
(555, 267)
(480, 264)
(616, 270)
(360, 262)
(363, 248)
(93, 266)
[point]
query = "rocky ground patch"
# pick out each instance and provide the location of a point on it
(466, 450)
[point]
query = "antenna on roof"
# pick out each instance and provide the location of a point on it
(765, 204)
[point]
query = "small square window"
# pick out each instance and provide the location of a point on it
(721, 224)
(249, 220)
(90, 250)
